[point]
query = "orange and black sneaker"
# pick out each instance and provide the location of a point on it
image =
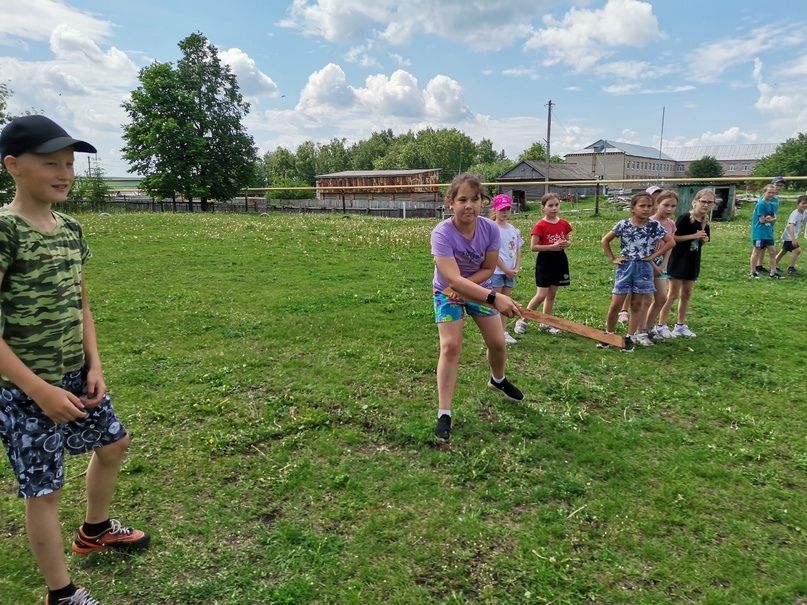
(116, 537)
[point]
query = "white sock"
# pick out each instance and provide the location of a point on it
(497, 380)
(442, 412)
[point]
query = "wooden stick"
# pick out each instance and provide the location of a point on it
(567, 325)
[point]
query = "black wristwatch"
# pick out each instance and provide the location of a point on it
(491, 299)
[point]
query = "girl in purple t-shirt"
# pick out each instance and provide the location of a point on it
(466, 250)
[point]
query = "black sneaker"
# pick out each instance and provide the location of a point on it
(80, 597)
(628, 348)
(759, 269)
(776, 276)
(443, 428)
(506, 388)
(791, 270)
(755, 274)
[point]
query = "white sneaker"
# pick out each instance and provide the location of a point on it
(683, 330)
(549, 329)
(643, 339)
(521, 327)
(623, 317)
(664, 332)
(509, 339)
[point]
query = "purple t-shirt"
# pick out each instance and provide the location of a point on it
(469, 253)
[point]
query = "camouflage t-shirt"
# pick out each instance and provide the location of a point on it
(40, 297)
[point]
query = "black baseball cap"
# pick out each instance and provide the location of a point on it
(37, 134)
(778, 179)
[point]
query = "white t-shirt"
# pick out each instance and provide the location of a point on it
(509, 246)
(799, 220)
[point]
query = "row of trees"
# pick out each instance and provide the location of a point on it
(446, 148)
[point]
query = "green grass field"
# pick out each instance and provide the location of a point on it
(277, 375)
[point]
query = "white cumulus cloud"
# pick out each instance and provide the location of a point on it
(583, 37)
(251, 80)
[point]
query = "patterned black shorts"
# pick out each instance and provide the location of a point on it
(35, 444)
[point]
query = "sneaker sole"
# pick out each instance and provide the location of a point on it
(82, 549)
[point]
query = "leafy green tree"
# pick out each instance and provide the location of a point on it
(535, 152)
(364, 153)
(333, 157)
(705, 167)
(6, 182)
(91, 188)
(278, 164)
(185, 132)
(305, 162)
(448, 149)
(485, 154)
(789, 159)
(492, 170)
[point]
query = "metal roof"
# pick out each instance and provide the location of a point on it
(372, 173)
(725, 153)
(639, 151)
(557, 172)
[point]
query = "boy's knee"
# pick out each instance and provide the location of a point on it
(114, 451)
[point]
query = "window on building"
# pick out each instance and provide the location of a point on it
(731, 167)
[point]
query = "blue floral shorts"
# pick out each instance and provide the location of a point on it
(35, 444)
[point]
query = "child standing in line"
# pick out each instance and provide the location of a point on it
(762, 222)
(504, 276)
(634, 266)
(654, 191)
(549, 238)
(52, 391)
(466, 249)
(666, 203)
(691, 233)
(790, 238)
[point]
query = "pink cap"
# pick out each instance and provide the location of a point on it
(653, 188)
(501, 201)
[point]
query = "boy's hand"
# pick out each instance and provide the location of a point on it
(618, 260)
(96, 388)
(59, 405)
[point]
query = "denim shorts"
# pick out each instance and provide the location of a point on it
(35, 444)
(500, 280)
(445, 310)
(763, 243)
(634, 276)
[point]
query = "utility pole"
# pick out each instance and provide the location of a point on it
(660, 142)
(548, 135)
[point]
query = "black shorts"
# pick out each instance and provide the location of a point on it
(551, 269)
(789, 246)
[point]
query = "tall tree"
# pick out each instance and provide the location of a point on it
(705, 167)
(535, 152)
(789, 159)
(365, 152)
(485, 154)
(279, 164)
(185, 132)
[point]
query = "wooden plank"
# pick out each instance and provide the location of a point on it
(567, 325)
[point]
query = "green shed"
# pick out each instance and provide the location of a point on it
(724, 200)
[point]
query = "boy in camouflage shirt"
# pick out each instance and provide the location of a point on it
(52, 392)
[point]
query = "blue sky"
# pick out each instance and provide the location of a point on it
(726, 71)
